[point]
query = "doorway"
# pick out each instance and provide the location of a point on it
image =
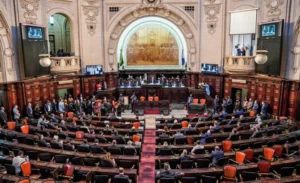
(238, 94)
(64, 93)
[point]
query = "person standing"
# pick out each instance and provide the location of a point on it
(224, 104)
(29, 111)
(3, 116)
(16, 113)
(229, 105)
(61, 106)
(250, 105)
(189, 100)
(48, 108)
(133, 99)
(255, 107)
(237, 106)
(216, 104)
(207, 89)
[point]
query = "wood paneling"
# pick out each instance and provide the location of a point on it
(215, 82)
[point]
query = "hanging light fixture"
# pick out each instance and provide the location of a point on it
(51, 20)
(261, 54)
(44, 57)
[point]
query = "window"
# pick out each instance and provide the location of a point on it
(243, 44)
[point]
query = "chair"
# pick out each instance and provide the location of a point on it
(101, 179)
(263, 168)
(234, 137)
(248, 176)
(136, 138)
(70, 114)
(176, 126)
(199, 151)
(196, 101)
(249, 154)
(5, 151)
(85, 130)
(150, 99)
(229, 173)
(202, 101)
(239, 158)
(89, 161)
(45, 157)
(77, 161)
(156, 98)
(223, 161)
(79, 135)
(209, 140)
(129, 151)
(180, 141)
(268, 154)
(114, 151)
(278, 151)
(25, 129)
(29, 141)
(184, 124)
(62, 136)
(202, 163)
(106, 163)
(252, 113)
(68, 172)
(208, 179)
(11, 125)
(26, 171)
(68, 147)
(165, 180)
(186, 164)
(136, 125)
(24, 181)
(126, 164)
(55, 145)
(188, 180)
(190, 140)
(142, 99)
(60, 159)
(97, 150)
(286, 171)
(85, 149)
(10, 169)
(33, 155)
(165, 152)
(226, 145)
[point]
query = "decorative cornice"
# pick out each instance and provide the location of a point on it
(30, 6)
(211, 10)
(274, 10)
(91, 13)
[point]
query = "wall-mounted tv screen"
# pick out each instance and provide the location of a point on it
(268, 30)
(94, 69)
(210, 68)
(35, 32)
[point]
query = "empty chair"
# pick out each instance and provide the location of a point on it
(278, 151)
(229, 173)
(79, 135)
(11, 125)
(33, 155)
(142, 98)
(101, 179)
(45, 157)
(27, 172)
(55, 145)
(196, 101)
(223, 161)
(184, 124)
(202, 163)
(24, 181)
(234, 137)
(268, 154)
(85, 149)
(186, 164)
(248, 176)
(226, 145)
(10, 169)
(165, 152)
(77, 161)
(89, 161)
(136, 138)
(97, 150)
(286, 171)
(199, 151)
(150, 99)
(129, 151)
(249, 155)
(136, 125)
(239, 158)
(25, 129)
(60, 159)
(126, 164)
(180, 141)
(202, 101)
(263, 167)
(208, 179)
(70, 114)
(29, 141)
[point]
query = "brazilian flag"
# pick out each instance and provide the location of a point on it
(121, 59)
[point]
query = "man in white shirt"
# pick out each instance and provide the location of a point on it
(198, 146)
(17, 161)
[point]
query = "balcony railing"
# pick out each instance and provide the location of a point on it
(65, 65)
(239, 65)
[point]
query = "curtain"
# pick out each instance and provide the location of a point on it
(242, 41)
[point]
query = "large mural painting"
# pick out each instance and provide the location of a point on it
(152, 45)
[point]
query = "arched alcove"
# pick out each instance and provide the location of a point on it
(159, 27)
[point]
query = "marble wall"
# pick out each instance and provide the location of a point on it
(96, 26)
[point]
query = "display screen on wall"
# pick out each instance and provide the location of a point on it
(94, 69)
(210, 68)
(152, 45)
(35, 32)
(269, 30)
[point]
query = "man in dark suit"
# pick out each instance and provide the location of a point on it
(168, 173)
(118, 138)
(62, 125)
(264, 109)
(3, 116)
(96, 145)
(190, 99)
(29, 111)
(216, 103)
(61, 133)
(48, 108)
(121, 176)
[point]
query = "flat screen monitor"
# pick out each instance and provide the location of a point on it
(210, 68)
(94, 69)
(268, 30)
(35, 32)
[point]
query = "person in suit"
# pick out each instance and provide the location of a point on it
(168, 173)
(198, 146)
(184, 155)
(190, 100)
(130, 146)
(216, 103)
(216, 155)
(118, 138)
(255, 107)
(97, 145)
(133, 99)
(204, 136)
(43, 141)
(229, 104)
(85, 144)
(48, 108)
(3, 116)
(60, 132)
(224, 104)
(53, 118)
(224, 114)
(29, 111)
(189, 129)
(264, 108)
(54, 106)
(16, 113)
(232, 121)
(122, 176)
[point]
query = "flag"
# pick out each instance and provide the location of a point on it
(121, 59)
(182, 60)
